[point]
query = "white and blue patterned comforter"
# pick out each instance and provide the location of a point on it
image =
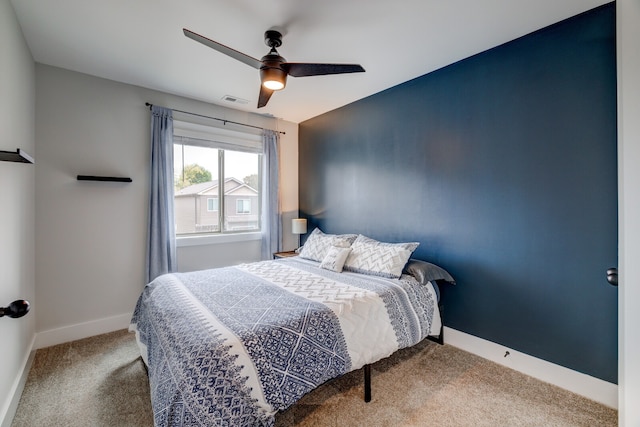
(233, 346)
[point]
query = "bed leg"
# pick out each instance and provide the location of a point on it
(367, 383)
(440, 338)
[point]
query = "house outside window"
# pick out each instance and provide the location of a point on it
(217, 180)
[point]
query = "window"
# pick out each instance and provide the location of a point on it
(217, 180)
(243, 206)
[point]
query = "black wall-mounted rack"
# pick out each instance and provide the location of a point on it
(103, 178)
(16, 156)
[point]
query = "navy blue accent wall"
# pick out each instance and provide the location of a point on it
(503, 166)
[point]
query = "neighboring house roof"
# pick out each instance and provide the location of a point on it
(230, 185)
(196, 188)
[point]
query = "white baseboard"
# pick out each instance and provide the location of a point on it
(8, 411)
(590, 387)
(82, 330)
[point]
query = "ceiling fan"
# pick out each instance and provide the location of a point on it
(273, 67)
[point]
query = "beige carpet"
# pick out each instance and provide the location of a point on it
(101, 381)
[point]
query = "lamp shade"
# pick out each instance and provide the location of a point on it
(299, 226)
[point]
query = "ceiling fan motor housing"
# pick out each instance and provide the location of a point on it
(273, 38)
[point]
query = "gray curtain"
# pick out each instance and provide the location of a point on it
(161, 252)
(271, 215)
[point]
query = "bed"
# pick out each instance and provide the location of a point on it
(235, 345)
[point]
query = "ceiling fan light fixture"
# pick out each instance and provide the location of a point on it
(273, 78)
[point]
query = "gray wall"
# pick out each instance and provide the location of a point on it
(91, 236)
(17, 204)
(503, 166)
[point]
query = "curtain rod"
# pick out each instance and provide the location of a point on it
(225, 121)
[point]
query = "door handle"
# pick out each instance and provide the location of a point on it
(612, 276)
(16, 309)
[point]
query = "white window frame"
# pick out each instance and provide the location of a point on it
(215, 137)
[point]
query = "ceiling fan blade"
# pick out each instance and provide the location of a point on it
(250, 61)
(265, 94)
(298, 69)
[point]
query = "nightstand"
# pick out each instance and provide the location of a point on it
(285, 254)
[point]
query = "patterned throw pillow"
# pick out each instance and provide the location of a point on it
(410, 246)
(368, 256)
(318, 244)
(335, 258)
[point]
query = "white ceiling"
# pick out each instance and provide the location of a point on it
(141, 42)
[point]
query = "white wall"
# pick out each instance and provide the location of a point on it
(17, 121)
(628, 34)
(91, 236)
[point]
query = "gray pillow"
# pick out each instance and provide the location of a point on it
(425, 272)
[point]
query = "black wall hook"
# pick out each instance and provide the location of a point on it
(16, 309)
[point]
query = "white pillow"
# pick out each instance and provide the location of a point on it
(335, 258)
(368, 256)
(410, 246)
(318, 244)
